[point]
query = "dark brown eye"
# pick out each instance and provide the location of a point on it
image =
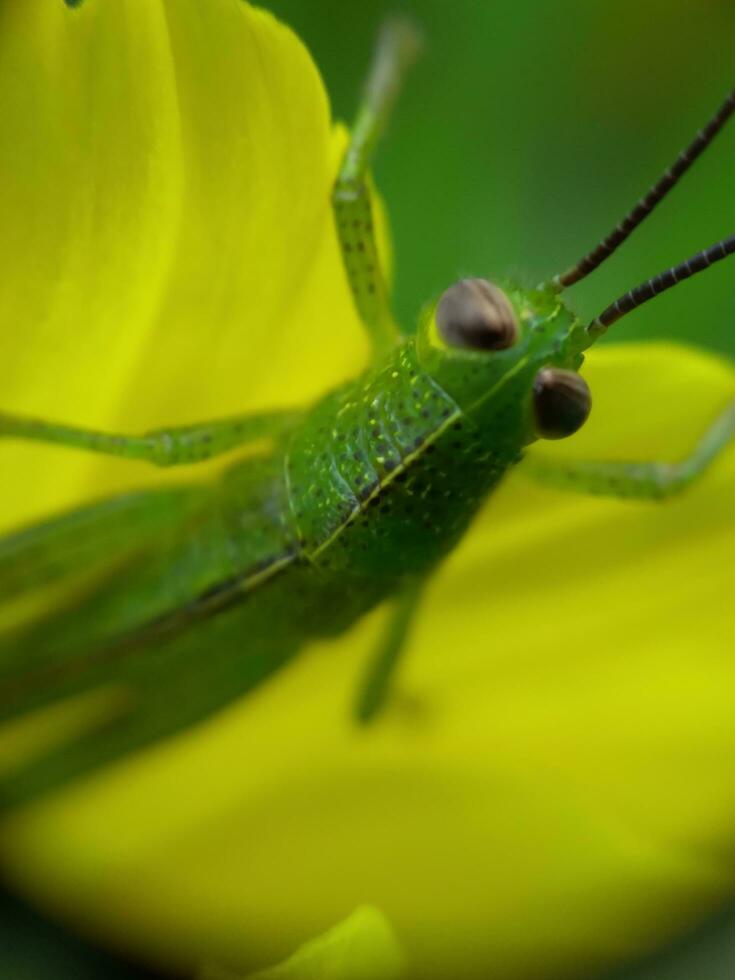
(561, 402)
(476, 315)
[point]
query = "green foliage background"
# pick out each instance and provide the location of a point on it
(525, 133)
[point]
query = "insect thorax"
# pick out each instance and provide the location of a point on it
(386, 473)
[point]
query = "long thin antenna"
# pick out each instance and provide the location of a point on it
(659, 284)
(647, 204)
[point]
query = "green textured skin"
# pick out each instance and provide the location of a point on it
(366, 495)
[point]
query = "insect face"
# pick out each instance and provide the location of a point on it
(509, 357)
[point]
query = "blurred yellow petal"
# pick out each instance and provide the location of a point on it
(553, 783)
(168, 249)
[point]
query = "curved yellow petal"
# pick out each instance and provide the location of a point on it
(168, 250)
(553, 783)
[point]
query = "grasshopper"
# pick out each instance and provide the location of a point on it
(201, 592)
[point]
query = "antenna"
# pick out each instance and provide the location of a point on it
(659, 284)
(647, 204)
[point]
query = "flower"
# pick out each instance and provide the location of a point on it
(170, 256)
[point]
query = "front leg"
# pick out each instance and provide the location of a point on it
(636, 481)
(162, 447)
(397, 47)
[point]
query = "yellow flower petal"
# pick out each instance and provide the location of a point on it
(168, 250)
(553, 784)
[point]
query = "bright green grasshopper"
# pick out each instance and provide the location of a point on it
(201, 592)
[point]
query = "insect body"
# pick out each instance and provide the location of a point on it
(211, 588)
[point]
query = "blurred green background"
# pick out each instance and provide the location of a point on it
(526, 131)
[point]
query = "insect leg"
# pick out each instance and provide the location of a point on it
(636, 481)
(162, 447)
(375, 685)
(397, 47)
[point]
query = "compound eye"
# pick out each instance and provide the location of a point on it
(475, 315)
(561, 403)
